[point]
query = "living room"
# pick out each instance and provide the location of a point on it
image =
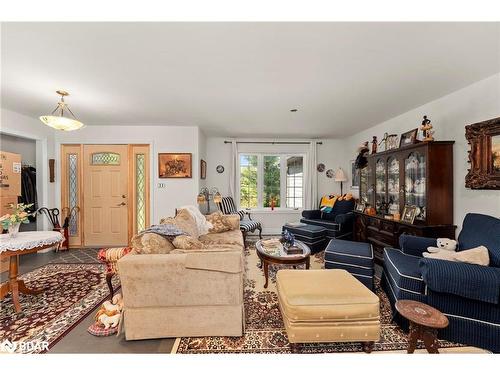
(250, 187)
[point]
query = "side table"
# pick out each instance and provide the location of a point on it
(424, 324)
(23, 243)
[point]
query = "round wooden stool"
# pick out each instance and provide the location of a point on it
(424, 323)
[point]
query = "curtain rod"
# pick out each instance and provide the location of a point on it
(277, 143)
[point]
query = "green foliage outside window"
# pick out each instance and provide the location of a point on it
(248, 181)
(271, 181)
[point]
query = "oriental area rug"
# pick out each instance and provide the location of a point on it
(264, 330)
(72, 292)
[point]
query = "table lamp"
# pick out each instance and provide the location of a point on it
(340, 177)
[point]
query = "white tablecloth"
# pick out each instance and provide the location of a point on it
(29, 240)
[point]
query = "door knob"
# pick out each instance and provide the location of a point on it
(122, 204)
(124, 196)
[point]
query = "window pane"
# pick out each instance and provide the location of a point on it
(294, 180)
(248, 181)
(73, 193)
(271, 181)
(140, 188)
(105, 158)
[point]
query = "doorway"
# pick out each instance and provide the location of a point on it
(105, 193)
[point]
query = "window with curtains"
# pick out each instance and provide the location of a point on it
(267, 180)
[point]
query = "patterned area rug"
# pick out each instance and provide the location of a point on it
(72, 292)
(265, 332)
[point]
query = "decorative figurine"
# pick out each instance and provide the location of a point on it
(287, 239)
(361, 160)
(374, 145)
(427, 130)
(385, 139)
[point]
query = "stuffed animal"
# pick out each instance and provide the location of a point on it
(110, 312)
(443, 244)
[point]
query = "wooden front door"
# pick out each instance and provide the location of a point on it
(105, 187)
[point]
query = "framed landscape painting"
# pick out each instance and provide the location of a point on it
(484, 155)
(175, 165)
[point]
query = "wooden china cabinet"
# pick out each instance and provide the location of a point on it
(418, 175)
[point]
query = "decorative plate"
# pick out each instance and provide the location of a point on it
(321, 167)
(330, 173)
(219, 169)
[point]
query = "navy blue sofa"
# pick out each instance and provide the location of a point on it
(338, 224)
(468, 294)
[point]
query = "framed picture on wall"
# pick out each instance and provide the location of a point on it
(203, 169)
(354, 176)
(175, 165)
(484, 155)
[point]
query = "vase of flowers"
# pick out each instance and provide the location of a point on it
(12, 222)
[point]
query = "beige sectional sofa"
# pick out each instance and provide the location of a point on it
(197, 292)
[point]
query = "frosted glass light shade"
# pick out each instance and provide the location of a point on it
(61, 123)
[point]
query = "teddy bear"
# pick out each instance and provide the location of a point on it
(444, 247)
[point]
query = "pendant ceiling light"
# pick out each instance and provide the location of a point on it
(57, 118)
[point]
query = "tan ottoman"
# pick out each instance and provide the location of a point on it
(327, 306)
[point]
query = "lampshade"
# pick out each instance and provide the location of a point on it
(340, 175)
(57, 120)
(200, 198)
(217, 197)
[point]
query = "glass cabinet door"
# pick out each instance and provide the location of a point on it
(363, 185)
(380, 184)
(415, 165)
(393, 184)
(366, 185)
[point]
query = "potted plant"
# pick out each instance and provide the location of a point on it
(13, 221)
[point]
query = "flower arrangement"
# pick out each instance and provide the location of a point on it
(19, 216)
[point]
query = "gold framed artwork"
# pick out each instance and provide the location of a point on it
(175, 165)
(484, 155)
(409, 214)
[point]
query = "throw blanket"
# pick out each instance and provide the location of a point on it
(466, 280)
(201, 221)
(168, 231)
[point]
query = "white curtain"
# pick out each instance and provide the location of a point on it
(233, 171)
(311, 179)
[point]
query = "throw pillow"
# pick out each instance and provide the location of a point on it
(187, 243)
(220, 222)
(201, 222)
(151, 243)
(184, 221)
(478, 255)
(327, 203)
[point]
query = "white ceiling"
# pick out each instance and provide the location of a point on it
(241, 79)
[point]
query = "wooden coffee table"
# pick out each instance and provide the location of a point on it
(424, 324)
(267, 257)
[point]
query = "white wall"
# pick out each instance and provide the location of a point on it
(177, 192)
(23, 126)
(449, 114)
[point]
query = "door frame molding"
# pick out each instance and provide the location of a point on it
(62, 190)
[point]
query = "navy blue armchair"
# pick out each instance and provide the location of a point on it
(338, 223)
(468, 294)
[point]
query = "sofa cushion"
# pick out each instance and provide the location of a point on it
(187, 243)
(477, 230)
(151, 243)
(220, 222)
(184, 221)
(343, 206)
(232, 237)
(404, 271)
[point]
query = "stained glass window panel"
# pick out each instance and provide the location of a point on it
(105, 158)
(140, 188)
(73, 193)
